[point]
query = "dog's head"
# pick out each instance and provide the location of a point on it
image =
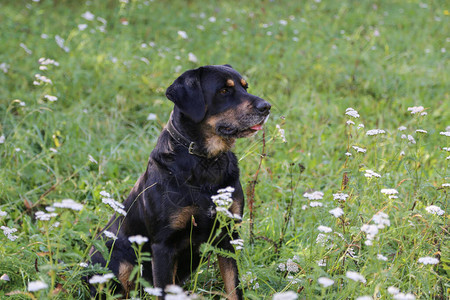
(216, 98)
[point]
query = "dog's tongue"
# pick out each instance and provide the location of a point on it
(257, 127)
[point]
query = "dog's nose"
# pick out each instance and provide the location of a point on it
(263, 106)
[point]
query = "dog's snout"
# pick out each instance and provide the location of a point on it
(263, 106)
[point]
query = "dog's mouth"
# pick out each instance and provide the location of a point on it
(233, 131)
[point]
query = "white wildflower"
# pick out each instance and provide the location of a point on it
(256, 286)
(403, 296)
(389, 191)
(322, 263)
(24, 47)
(350, 122)
(393, 290)
(68, 203)
(446, 133)
(411, 139)
(340, 196)
(364, 298)
(40, 215)
(151, 117)
(281, 133)
(3, 213)
(325, 282)
(289, 295)
(370, 230)
(321, 239)
(192, 57)
(348, 154)
(41, 79)
(82, 27)
(360, 126)
(421, 131)
(370, 174)
(101, 278)
(83, 264)
(381, 219)
(182, 34)
(446, 149)
(355, 276)
(283, 22)
(291, 266)
(138, 239)
(415, 109)
(382, 257)
(315, 204)
(4, 67)
(402, 128)
(173, 289)
(110, 235)
(435, 210)
(88, 16)
(445, 185)
(117, 206)
(337, 212)
(427, 260)
(51, 98)
(105, 194)
(5, 277)
(60, 42)
(351, 112)
(375, 131)
(317, 195)
(282, 267)
(8, 232)
(2, 139)
(92, 159)
(153, 291)
(34, 286)
(325, 229)
(359, 149)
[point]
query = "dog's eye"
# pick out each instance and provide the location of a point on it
(224, 91)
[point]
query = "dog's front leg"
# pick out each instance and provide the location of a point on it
(163, 265)
(229, 272)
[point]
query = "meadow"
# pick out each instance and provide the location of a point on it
(347, 188)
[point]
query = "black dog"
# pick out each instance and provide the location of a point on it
(171, 202)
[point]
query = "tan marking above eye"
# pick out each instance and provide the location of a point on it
(244, 83)
(230, 82)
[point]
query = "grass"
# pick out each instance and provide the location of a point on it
(310, 59)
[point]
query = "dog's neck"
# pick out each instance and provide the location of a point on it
(198, 139)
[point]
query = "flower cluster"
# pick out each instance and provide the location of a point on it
(138, 239)
(281, 133)
(397, 295)
(427, 260)
(351, 112)
(223, 201)
(68, 203)
(355, 276)
(290, 266)
(375, 132)
(43, 216)
(390, 192)
(8, 232)
(117, 206)
(317, 195)
(34, 286)
(101, 278)
(370, 174)
(435, 210)
(340, 196)
(238, 242)
(381, 221)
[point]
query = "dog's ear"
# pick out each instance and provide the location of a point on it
(186, 92)
(229, 66)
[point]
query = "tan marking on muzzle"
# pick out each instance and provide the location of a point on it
(230, 82)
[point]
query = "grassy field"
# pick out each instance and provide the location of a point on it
(108, 64)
